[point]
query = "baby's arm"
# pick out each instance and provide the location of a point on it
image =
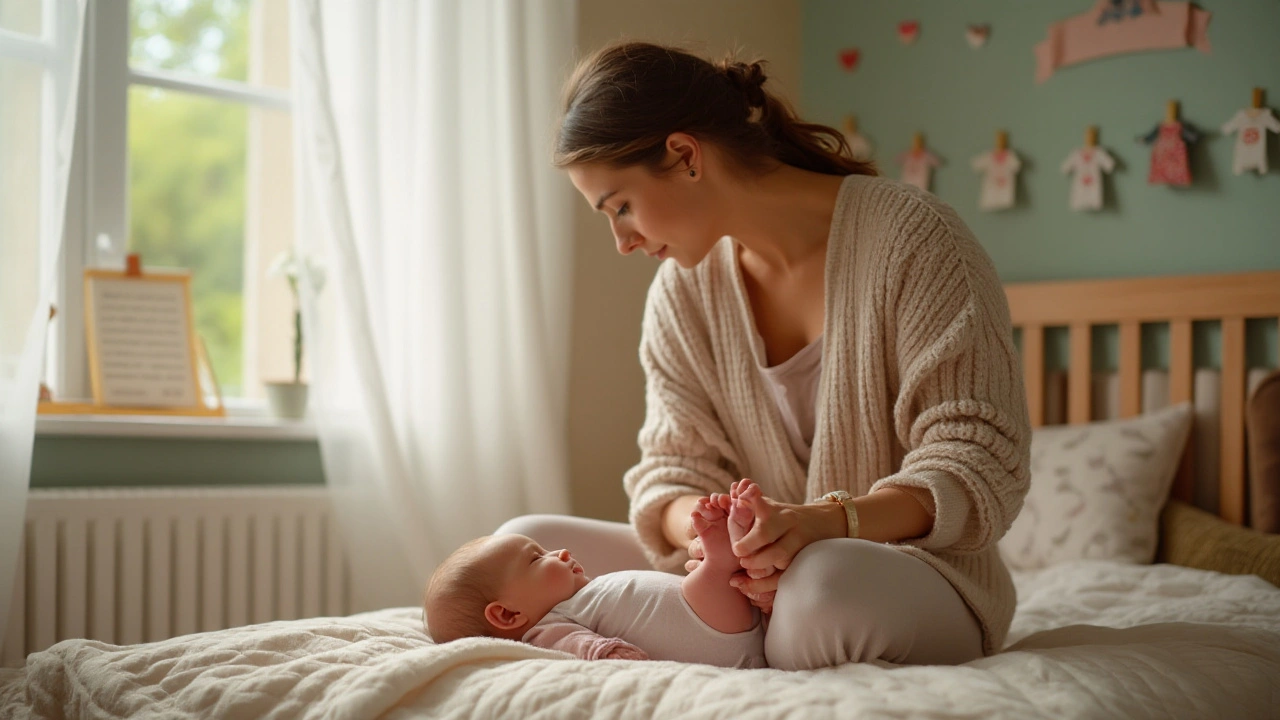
(572, 638)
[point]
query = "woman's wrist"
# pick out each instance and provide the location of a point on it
(829, 520)
(675, 520)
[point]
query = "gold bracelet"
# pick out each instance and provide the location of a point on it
(850, 510)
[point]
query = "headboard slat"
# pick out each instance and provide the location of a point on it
(1080, 374)
(1130, 369)
(1158, 299)
(1231, 456)
(1033, 371)
(1181, 383)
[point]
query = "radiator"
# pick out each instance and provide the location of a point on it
(137, 565)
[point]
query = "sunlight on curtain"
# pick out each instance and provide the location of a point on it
(39, 59)
(439, 345)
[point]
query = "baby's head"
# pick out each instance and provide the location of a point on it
(498, 586)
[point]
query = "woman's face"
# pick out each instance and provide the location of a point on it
(665, 215)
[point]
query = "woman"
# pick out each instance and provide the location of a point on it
(839, 338)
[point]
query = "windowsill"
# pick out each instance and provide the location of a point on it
(235, 426)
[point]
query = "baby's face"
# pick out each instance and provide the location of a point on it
(534, 580)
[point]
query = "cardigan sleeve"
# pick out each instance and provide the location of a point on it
(683, 446)
(960, 410)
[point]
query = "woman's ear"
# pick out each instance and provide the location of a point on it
(502, 617)
(684, 153)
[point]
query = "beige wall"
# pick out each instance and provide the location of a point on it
(606, 394)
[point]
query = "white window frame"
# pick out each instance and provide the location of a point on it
(98, 193)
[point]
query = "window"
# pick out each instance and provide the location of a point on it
(188, 160)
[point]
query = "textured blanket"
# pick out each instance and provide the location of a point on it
(1090, 639)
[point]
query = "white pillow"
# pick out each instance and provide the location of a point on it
(1097, 490)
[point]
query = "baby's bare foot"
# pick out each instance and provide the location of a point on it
(742, 512)
(749, 506)
(710, 521)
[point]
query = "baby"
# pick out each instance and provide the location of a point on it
(508, 586)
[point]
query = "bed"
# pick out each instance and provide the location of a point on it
(1196, 634)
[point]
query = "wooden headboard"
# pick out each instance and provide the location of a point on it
(1080, 305)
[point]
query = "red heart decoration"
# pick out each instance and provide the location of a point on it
(849, 58)
(908, 30)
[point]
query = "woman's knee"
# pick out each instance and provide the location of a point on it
(825, 613)
(833, 564)
(830, 584)
(538, 527)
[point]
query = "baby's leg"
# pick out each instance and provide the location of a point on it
(707, 588)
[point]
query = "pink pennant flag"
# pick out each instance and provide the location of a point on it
(1114, 27)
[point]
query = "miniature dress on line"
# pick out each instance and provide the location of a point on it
(999, 170)
(917, 167)
(1088, 164)
(1169, 164)
(1251, 126)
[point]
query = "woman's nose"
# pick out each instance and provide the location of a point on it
(627, 244)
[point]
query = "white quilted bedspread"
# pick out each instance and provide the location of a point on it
(1090, 639)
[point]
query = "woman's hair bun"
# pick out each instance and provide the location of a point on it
(749, 79)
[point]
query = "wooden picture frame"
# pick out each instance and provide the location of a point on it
(144, 354)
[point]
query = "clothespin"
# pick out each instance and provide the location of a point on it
(851, 124)
(1002, 140)
(1091, 136)
(133, 265)
(917, 142)
(1257, 98)
(1171, 111)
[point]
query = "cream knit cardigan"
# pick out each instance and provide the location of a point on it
(921, 388)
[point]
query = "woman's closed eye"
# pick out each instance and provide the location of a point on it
(623, 209)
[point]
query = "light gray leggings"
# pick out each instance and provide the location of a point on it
(840, 600)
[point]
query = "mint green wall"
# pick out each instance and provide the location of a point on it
(959, 97)
(62, 461)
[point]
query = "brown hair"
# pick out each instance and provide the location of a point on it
(456, 596)
(624, 100)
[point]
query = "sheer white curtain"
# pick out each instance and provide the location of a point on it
(438, 347)
(39, 62)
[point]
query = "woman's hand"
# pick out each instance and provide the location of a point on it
(760, 591)
(677, 526)
(695, 555)
(780, 531)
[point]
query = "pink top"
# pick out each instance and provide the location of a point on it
(794, 386)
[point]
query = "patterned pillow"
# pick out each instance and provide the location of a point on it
(1097, 490)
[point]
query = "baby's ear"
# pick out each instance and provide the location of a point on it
(502, 617)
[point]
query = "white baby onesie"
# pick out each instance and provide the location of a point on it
(647, 609)
(1088, 164)
(1251, 126)
(859, 146)
(917, 167)
(999, 168)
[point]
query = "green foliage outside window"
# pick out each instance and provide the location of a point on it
(187, 159)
